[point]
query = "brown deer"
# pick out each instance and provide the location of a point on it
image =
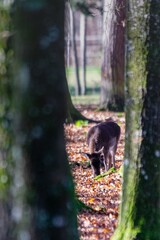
(102, 140)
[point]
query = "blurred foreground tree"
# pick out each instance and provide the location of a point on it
(112, 78)
(140, 208)
(6, 165)
(43, 187)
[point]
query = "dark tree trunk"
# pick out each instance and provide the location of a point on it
(43, 186)
(140, 209)
(6, 164)
(112, 78)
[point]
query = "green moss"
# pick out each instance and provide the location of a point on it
(136, 70)
(86, 100)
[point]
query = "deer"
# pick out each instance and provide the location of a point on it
(102, 140)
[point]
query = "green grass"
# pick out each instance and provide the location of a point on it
(93, 77)
(86, 100)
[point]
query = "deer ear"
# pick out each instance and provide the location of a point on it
(101, 150)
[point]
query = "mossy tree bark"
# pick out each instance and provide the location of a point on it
(112, 73)
(140, 210)
(43, 187)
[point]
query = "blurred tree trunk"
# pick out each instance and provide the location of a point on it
(6, 164)
(73, 32)
(43, 187)
(140, 209)
(112, 78)
(83, 28)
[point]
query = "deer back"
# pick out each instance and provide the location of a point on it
(105, 134)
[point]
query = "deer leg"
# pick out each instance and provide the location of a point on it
(105, 163)
(113, 158)
(110, 158)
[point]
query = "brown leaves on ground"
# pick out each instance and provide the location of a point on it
(102, 195)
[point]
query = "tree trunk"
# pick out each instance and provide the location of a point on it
(83, 25)
(6, 137)
(67, 32)
(140, 210)
(112, 78)
(43, 187)
(77, 86)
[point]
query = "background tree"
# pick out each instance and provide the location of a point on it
(140, 211)
(43, 188)
(72, 113)
(80, 81)
(80, 12)
(112, 73)
(75, 53)
(67, 33)
(83, 49)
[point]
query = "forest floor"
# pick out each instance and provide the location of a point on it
(102, 196)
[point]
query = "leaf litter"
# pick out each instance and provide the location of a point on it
(102, 195)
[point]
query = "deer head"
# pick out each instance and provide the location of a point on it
(96, 158)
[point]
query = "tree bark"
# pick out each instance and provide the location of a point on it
(112, 78)
(140, 211)
(43, 187)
